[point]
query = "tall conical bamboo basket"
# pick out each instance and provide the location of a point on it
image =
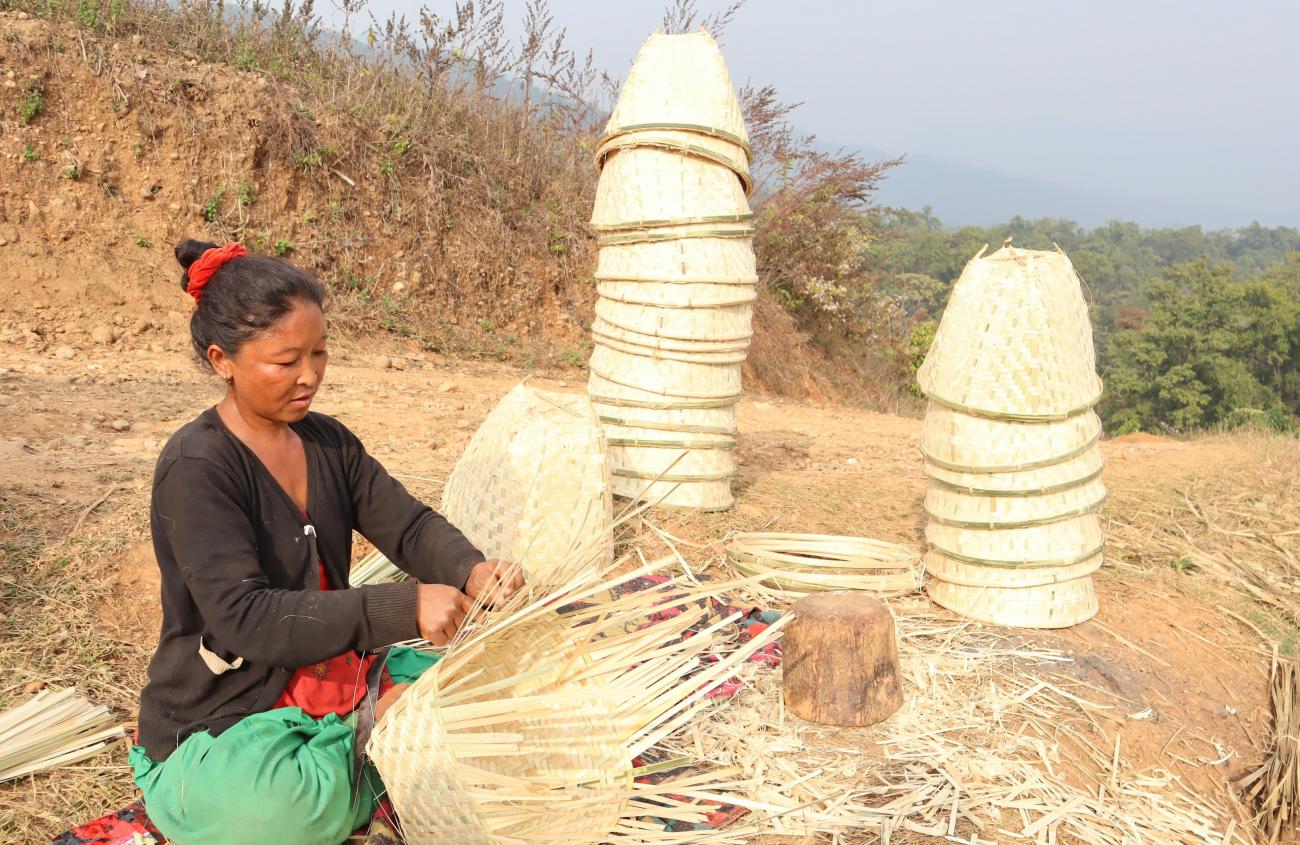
(712, 261)
(1048, 479)
(1015, 341)
(964, 443)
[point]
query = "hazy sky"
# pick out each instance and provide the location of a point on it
(1192, 103)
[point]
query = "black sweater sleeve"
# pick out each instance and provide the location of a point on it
(409, 533)
(212, 541)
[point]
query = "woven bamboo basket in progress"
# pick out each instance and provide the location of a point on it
(648, 187)
(679, 83)
(1048, 479)
(618, 374)
(699, 324)
(684, 261)
(527, 729)
(797, 564)
(532, 485)
(1015, 341)
(1059, 605)
(964, 443)
(966, 510)
(723, 152)
(1060, 543)
(707, 496)
(965, 574)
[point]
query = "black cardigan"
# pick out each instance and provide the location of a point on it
(239, 577)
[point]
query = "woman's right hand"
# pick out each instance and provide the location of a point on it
(439, 610)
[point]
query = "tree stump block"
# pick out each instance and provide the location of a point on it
(840, 660)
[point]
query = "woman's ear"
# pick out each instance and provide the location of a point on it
(221, 363)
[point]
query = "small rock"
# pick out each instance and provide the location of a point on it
(37, 370)
(103, 334)
(140, 426)
(383, 362)
(32, 687)
(141, 325)
(78, 441)
(398, 287)
(120, 425)
(146, 192)
(446, 387)
(852, 462)
(399, 364)
(137, 40)
(65, 353)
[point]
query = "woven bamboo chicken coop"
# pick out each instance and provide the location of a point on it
(532, 487)
(675, 275)
(1010, 444)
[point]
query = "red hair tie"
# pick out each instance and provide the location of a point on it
(202, 270)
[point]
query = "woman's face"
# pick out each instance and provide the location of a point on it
(277, 373)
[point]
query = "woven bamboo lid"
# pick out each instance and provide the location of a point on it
(1015, 340)
(712, 261)
(650, 188)
(679, 83)
(707, 496)
(966, 510)
(717, 150)
(966, 574)
(532, 485)
(1052, 544)
(1048, 479)
(965, 443)
(728, 324)
(1059, 605)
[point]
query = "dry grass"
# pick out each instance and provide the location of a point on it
(1274, 788)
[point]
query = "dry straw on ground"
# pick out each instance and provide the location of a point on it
(1274, 788)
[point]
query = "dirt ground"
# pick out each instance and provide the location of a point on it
(82, 420)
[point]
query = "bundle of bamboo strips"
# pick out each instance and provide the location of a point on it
(794, 565)
(52, 729)
(1274, 788)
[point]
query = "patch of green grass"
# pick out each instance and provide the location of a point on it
(30, 153)
(386, 166)
(88, 13)
(246, 59)
(283, 247)
(73, 173)
(246, 195)
(486, 326)
(307, 161)
(142, 242)
(212, 206)
(33, 103)
(574, 358)
(138, 150)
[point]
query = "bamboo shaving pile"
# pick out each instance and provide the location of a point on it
(52, 729)
(1274, 788)
(797, 564)
(983, 751)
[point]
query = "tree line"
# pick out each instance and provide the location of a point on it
(1194, 328)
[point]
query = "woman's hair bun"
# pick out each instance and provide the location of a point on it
(187, 252)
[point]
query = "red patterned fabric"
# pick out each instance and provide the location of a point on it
(202, 270)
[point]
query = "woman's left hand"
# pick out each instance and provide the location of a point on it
(494, 580)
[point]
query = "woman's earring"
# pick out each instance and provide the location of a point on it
(230, 380)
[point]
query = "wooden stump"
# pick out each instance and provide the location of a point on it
(840, 660)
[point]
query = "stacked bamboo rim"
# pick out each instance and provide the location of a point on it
(1010, 445)
(675, 276)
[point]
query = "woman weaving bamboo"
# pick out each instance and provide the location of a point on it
(265, 658)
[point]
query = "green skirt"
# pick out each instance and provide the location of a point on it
(279, 777)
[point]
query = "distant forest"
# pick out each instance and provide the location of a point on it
(1194, 329)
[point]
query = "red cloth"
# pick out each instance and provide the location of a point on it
(202, 270)
(336, 685)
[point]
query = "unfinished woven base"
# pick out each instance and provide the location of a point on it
(645, 187)
(1054, 544)
(797, 564)
(711, 261)
(620, 374)
(685, 295)
(1049, 479)
(533, 484)
(694, 325)
(965, 574)
(983, 511)
(964, 443)
(1015, 340)
(679, 82)
(713, 149)
(1049, 606)
(709, 496)
(526, 731)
